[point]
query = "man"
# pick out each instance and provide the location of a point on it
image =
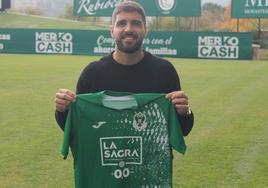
(125, 150)
(129, 69)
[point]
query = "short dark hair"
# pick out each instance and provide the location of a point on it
(129, 6)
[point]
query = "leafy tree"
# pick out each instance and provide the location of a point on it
(171, 23)
(212, 16)
(68, 14)
(32, 11)
(230, 24)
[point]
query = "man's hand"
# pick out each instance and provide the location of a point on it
(63, 98)
(180, 100)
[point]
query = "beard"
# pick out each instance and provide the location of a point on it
(129, 49)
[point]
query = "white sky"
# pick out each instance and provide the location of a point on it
(220, 2)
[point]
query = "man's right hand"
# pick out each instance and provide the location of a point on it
(63, 98)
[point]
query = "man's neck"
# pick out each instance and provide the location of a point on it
(128, 59)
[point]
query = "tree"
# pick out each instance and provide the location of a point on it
(68, 14)
(230, 24)
(33, 11)
(212, 16)
(171, 23)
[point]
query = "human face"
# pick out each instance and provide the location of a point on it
(128, 31)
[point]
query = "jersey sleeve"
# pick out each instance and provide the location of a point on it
(67, 134)
(176, 137)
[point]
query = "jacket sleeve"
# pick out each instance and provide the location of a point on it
(83, 86)
(61, 118)
(186, 121)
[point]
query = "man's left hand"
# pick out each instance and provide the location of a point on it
(180, 100)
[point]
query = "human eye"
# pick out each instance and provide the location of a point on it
(136, 23)
(121, 23)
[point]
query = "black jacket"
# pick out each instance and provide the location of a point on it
(151, 75)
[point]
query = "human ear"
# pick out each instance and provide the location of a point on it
(111, 30)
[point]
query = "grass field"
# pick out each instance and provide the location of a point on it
(228, 146)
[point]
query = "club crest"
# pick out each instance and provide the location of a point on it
(139, 121)
(166, 5)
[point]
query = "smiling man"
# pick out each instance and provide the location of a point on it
(128, 30)
(129, 68)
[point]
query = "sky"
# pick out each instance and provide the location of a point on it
(220, 2)
(17, 4)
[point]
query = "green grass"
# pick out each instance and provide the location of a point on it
(9, 20)
(228, 146)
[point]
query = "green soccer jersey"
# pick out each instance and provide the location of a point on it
(122, 140)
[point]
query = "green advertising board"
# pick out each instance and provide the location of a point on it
(151, 7)
(171, 7)
(168, 44)
(250, 8)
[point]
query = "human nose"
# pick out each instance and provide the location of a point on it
(128, 27)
